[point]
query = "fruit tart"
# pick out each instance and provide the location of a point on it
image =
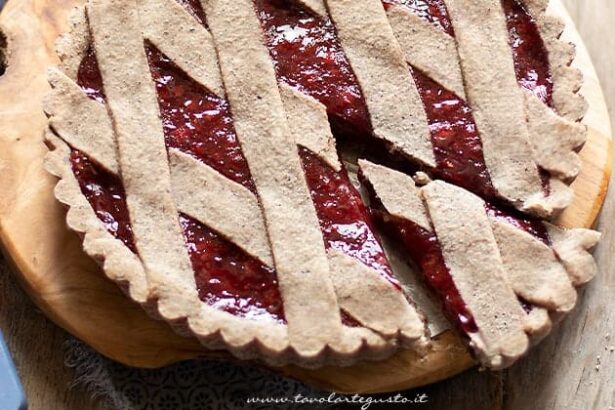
(236, 166)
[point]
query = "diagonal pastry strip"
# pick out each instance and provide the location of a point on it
(133, 107)
(427, 48)
(271, 153)
(83, 123)
(394, 105)
(496, 100)
(309, 124)
(171, 28)
(533, 270)
(555, 140)
(471, 254)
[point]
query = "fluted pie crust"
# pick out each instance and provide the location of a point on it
(337, 308)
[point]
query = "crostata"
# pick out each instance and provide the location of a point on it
(237, 166)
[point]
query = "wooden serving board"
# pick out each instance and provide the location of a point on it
(71, 289)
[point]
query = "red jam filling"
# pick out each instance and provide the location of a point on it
(308, 57)
(197, 121)
(344, 220)
(457, 146)
(228, 278)
(424, 249)
(104, 191)
(89, 78)
(529, 52)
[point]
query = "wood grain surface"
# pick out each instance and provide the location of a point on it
(561, 373)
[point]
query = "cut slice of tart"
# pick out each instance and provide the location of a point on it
(495, 273)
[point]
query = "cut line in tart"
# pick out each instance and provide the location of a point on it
(204, 151)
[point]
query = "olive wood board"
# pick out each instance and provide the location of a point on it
(71, 289)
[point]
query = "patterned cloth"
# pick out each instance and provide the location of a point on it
(190, 385)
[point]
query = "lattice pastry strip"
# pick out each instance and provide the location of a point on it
(395, 107)
(308, 120)
(490, 259)
(267, 144)
(133, 106)
(427, 48)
